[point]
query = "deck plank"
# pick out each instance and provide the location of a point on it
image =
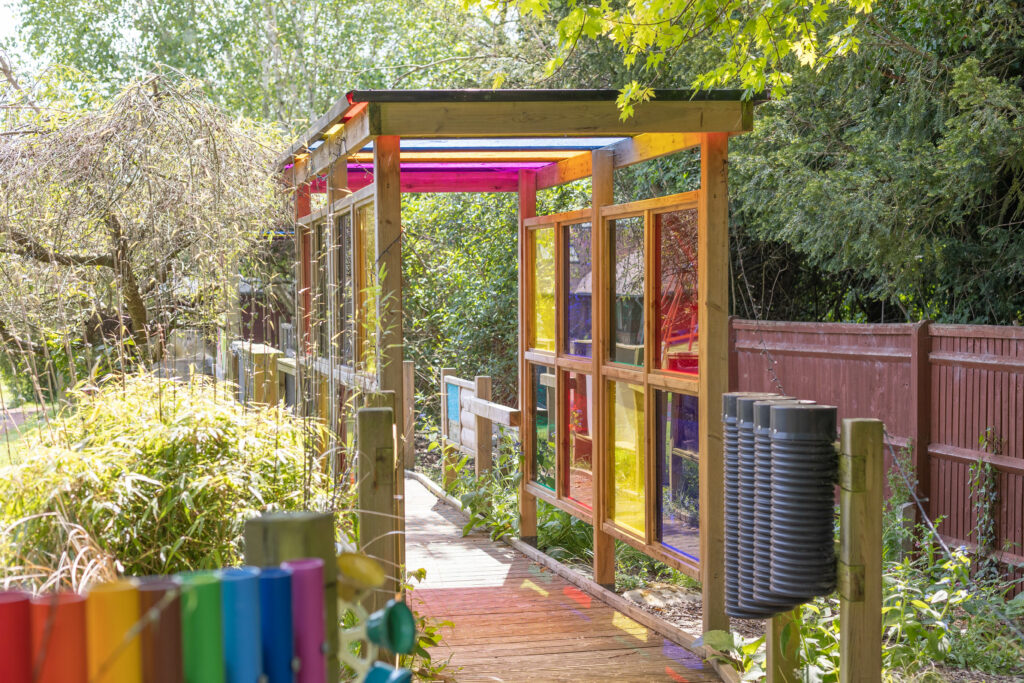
(515, 620)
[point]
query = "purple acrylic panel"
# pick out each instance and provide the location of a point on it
(578, 289)
(678, 457)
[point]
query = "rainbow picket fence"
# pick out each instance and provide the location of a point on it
(240, 625)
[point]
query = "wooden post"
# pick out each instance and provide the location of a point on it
(527, 209)
(409, 408)
(264, 373)
(713, 360)
(275, 537)
(482, 387)
(388, 225)
(602, 194)
(337, 187)
(860, 555)
(378, 528)
(783, 658)
(921, 400)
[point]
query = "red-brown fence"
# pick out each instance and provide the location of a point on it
(940, 385)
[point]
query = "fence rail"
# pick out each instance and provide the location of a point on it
(954, 394)
(468, 417)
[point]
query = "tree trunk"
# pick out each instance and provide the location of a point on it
(130, 293)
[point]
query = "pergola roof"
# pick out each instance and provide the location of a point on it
(479, 140)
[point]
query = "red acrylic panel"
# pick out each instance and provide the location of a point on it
(579, 472)
(676, 323)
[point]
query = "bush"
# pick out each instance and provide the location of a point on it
(159, 475)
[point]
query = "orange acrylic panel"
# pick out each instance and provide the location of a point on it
(579, 470)
(626, 446)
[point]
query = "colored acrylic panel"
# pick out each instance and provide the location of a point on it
(319, 290)
(453, 411)
(676, 237)
(346, 290)
(579, 474)
(367, 283)
(578, 290)
(678, 459)
(544, 421)
(627, 274)
(543, 290)
(626, 442)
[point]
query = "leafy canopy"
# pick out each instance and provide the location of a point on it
(756, 36)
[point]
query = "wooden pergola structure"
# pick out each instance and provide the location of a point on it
(620, 395)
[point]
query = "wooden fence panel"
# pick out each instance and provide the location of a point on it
(939, 387)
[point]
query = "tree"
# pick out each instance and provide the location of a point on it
(136, 208)
(758, 42)
(283, 62)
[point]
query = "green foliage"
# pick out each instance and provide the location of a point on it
(491, 499)
(159, 475)
(283, 62)
(746, 655)
(897, 171)
(459, 299)
(758, 42)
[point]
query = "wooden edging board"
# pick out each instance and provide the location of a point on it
(610, 598)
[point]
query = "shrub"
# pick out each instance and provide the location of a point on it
(159, 475)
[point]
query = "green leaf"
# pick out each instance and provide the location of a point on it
(723, 641)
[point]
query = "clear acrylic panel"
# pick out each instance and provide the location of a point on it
(627, 301)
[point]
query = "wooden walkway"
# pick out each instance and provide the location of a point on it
(515, 620)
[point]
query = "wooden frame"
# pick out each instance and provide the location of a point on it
(672, 121)
(601, 369)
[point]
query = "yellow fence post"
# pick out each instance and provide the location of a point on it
(860, 554)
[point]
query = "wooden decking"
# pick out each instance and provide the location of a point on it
(515, 620)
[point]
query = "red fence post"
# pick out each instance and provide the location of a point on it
(921, 400)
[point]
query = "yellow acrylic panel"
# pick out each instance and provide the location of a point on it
(367, 282)
(626, 445)
(543, 338)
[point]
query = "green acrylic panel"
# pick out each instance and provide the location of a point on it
(544, 425)
(626, 445)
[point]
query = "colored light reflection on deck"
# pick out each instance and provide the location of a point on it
(624, 623)
(626, 439)
(544, 289)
